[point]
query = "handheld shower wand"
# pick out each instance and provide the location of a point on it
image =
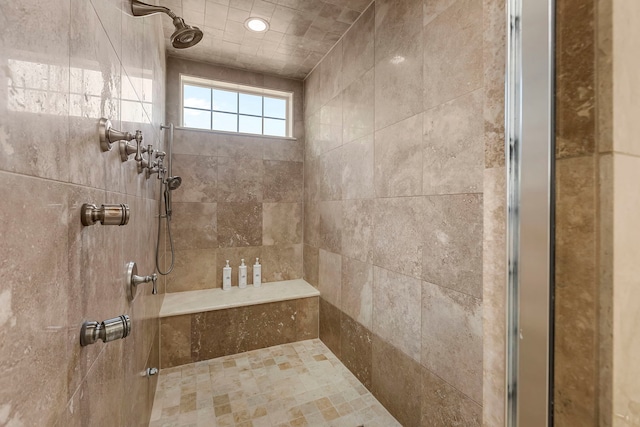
(183, 37)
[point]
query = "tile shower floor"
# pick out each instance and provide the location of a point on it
(298, 384)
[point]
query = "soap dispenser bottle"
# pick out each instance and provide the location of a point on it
(242, 275)
(226, 277)
(257, 274)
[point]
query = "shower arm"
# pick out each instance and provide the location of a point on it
(139, 8)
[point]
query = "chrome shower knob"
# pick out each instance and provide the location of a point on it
(115, 214)
(108, 330)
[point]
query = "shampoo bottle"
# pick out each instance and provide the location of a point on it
(257, 274)
(242, 275)
(226, 277)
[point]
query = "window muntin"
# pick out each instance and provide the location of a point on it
(229, 107)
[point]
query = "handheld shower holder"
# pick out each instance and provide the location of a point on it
(108, 330)
(133, 280)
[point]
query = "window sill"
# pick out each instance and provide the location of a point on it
(221, 132)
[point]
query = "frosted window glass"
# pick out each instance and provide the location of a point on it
(250, 124)
(197, 119)
(250, 104)
(274, 107)
(197, 97)
(224, 100)
(226, 122)
(275, 127)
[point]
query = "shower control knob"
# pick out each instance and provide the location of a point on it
(133, 280)
(108, 135)
(108, 330)
(115, 214)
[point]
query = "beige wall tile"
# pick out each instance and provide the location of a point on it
(396, 308)
(330, 125)
(240, 180)
(453, 53)
(358, 47)
(494, 58)
(357, 229)
(330, 226)
(441, 402)
(175, 341)
(494, 279)
(575, 74)
(398, 83)
(281, 223)
(310, 264)
(194, 142)
(396, 382)
(193, 269)
(398, 159)
(576, 291)
(199, 176)
(330, 169)
(282, 181)
(396, 24)
(626, 339)
(330, 277)
(357, 290)
(357, 108)
(281, 262)
(452, 338)
(239, 224)
(195, 225)
(398, 243)
(31, 254)
(452, 251)
(358, 169)
(454, 146)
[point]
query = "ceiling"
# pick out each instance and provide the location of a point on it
(301, 32)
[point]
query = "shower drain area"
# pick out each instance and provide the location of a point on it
(298, 384)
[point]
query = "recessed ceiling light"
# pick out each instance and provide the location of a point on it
(257, 25)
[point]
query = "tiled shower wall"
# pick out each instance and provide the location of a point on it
(402, 118)
(65, 64)
(597, 162)
(241, 196)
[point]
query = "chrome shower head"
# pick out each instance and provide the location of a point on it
(184, 36)
(173, 182)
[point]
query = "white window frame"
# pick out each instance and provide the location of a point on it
(241, 89)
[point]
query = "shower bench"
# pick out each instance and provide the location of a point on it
(205, 324)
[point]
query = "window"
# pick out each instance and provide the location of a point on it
(230, 107)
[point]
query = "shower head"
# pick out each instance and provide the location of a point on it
(173, 182)
(184, 36)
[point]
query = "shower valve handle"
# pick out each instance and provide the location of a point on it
(134, 280)
(138, 138)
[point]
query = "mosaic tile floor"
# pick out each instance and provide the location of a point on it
(292, 385)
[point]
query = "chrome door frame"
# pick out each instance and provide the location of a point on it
(530, 149)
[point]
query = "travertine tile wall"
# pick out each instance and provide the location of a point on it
(581, 141)
(191, 338)
(597, 339)
(241, 196)
(402, 117)
(65, 64)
